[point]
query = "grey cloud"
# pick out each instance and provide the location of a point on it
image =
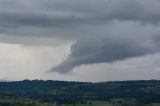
(104, 30)
(72, 13)
(129, 40)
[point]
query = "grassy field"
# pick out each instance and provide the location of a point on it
(37, 103)
(20, 100)
(156, 104)
(93, 103)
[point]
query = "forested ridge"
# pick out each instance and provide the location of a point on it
(144, 91)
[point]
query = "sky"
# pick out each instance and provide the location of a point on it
(80, 40)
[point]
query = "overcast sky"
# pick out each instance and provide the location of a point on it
(80, 40)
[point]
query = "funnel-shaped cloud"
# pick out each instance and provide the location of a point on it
(103, 30)
(119, 41)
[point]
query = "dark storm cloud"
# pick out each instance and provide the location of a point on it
(129, 40)
(55, 13)
(103, 30)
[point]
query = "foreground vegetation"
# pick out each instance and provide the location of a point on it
(56, 93)
(117, 102)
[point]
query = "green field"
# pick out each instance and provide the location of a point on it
(37, 103)
(25, 102)
(93, 103)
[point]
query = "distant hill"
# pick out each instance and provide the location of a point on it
(143, 91)
(3, 80)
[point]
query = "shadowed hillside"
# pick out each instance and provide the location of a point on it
(74, 92)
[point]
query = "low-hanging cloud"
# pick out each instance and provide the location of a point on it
(121, 41)
(103, 30)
